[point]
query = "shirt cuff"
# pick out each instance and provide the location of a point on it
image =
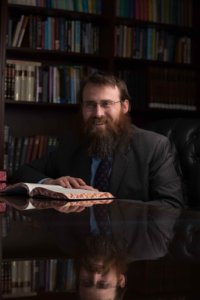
(41, 181)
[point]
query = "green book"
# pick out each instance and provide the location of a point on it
(122, 8)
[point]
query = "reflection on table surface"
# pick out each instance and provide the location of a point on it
(150, 249)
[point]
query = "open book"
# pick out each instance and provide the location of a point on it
(54, 192)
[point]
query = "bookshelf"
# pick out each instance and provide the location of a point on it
(16, 113)
(31, 118)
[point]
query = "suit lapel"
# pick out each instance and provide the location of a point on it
(120, 163)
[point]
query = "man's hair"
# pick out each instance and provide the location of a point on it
(106, 79)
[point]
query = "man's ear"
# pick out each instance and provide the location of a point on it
(122, 281)
(125, 106)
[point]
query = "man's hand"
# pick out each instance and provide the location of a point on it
(68, 209)
(69, 182)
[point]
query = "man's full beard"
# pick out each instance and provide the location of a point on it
(104, 142)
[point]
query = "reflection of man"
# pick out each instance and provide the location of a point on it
(140, 163)
(100, 269)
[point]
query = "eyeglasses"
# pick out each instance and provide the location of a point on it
(104, 104)
(99, 285)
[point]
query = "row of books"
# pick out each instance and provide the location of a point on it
(172, 89)
(175, 12)
(21, 150)
(29, 81)
(137, 86)
(87, 6)
(24, 277)
(151, 43)
(54, 34)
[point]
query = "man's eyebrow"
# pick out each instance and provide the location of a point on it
(100, 100)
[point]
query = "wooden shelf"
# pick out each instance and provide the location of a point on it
(148, 62)
(131, 22)
(53, 12)
(40, 104)
(56, 57)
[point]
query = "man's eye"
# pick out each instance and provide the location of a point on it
(89, 104)
(106, 104)
(103, 285)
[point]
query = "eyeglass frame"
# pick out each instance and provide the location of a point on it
(110, 286)
(95, 104)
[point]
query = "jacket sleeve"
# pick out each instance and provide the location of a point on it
(164, 183)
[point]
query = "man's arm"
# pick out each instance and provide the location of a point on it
(46, 166)
(164, 183)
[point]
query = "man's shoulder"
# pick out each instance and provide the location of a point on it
(146, 137)
(136, 132)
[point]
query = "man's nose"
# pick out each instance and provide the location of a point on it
(96, 276)
(98, 112)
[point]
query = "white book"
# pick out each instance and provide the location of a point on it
(30, 83)
(26, 276)
(23, 83)
(15, 34)
(19, 28)
(14, 276)
(22, 33)
(20, 277)
(51, 271)
(17, 88)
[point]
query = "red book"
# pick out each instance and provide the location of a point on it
(30, 148)
(141, 9)
(2, 175)
(2, 185)
(2, 207)
(146, 10)
(57, 192)
(45, 145)
(137, 9)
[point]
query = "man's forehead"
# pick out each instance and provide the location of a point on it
(93, 88)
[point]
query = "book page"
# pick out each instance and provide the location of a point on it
(59, 189)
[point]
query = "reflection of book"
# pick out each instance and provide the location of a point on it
(54, 191)
(23, 203)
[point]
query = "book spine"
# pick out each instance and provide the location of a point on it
(14, 277)
(38, 32)
(30, 83)
(77, 36)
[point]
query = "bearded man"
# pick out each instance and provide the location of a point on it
(140, 166)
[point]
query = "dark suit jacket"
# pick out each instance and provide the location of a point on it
(142, 170)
